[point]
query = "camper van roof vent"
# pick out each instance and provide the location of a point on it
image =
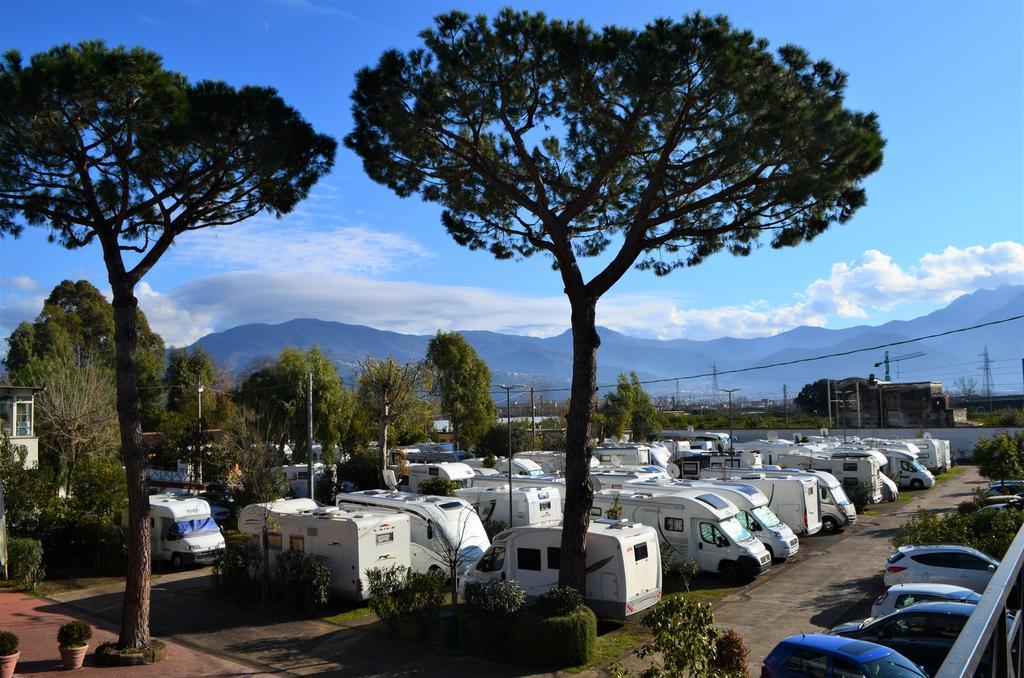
(714, 500)
(747, 489)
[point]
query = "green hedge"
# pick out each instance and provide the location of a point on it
(557, 642)
(26, 560)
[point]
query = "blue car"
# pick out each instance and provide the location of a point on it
(815, 655)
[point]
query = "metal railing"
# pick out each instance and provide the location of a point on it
(990, 644)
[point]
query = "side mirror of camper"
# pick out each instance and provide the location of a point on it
(991, 568)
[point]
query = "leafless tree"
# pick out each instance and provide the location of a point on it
(966, 387)
(75, 410)
(386, 389)
(450, 549)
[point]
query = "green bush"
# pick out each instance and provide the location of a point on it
(1001, 457)
(386, 601)
(8, 643)
(425, 592)
(557, 642)
(315, 584)
(26, 560)
(74, 634)
(490, 461)
(496, 599)
(558, 602)
(861, 496)
(494, 527)
(683, 639)
(438, 486)
(988, 531)
(238, 570)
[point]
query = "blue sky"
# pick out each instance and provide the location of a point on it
(945, 213)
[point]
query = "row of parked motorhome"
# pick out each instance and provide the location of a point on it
(731, 512)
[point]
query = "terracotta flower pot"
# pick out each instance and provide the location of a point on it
(7, 664)
(73, 657)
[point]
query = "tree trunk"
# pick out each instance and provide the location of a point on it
(384, 441)
(579, 494)
(135, 609)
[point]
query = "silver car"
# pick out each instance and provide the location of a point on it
(902, 595)
(954, 564)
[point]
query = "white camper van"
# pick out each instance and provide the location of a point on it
(623, 569)
(530, 505)
(614, 477)
(457, 472)
(351, 541)
(297, 477)
(901, 466)
(438, 525)
(793, 497)
(623, 455)
(933, 453)
(520, 467)
(754, 512)
(182, 530)
(698, 524)
(850, 472)
(551, 463)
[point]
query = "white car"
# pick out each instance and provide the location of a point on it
(940, 564)
(903, 595)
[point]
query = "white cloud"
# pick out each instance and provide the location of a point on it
(263, 245)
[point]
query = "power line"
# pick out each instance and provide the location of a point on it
(797, 361)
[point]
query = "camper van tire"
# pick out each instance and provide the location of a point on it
(830, 524)
(771, 551)
(729, 571)
(176, 561)
(916, 484)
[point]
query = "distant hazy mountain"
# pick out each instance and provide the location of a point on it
(547, 362)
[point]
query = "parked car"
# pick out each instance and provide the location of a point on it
(1012, 486)
(940, 564)
(1014, 500)
(904, 595)
(815, 654)
(1003, 506)
(923, 633)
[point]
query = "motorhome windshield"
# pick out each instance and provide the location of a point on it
(737, 532)
(766, 517)
(192, 528)
(839, 495)
(917, 466)
(534, 472)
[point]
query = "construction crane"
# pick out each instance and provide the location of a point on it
(886, 360)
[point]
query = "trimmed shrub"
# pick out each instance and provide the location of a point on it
(8, 643)
(386, 601)
(496, 599)
(425, 593)
(238, 569)
(74, 634)
(557, 642)
(490, 461)
(438, 486)
(558, 602)
(732, 654)
(26, 560)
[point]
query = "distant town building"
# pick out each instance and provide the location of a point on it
(870, 403)
(17, 419)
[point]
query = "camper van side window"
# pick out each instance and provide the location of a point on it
(849, 466)
(528, 559)
(274, 541)
(707, 532)
(545, 506)
(554, 558)
(296, 542)
(640, 552)
(596, 512)
(674, 524)
(493, 560)
(824, 495)
(432, 471)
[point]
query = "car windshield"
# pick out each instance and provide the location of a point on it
(766, 517)
(893, 666)
(839, 495)
(737, 532)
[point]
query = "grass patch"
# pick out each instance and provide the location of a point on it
(946, 476)
(349, 615)
(706, 588)
(612, 643)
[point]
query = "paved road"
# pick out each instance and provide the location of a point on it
(837, 576)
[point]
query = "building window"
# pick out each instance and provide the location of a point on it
(23, 419)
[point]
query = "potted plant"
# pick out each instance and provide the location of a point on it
(8, 653)
(74, 643)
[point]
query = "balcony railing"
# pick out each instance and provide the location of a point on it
(989, 646)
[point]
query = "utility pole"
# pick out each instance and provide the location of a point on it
(986, 373)
(730, 391)
(714, 378)
(508, 424)
(858, 405)
(828, 400)
(533, 418)
(785, 403)
(194, 471)
(309, 430)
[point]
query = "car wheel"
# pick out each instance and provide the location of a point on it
(830, 524)
(916, 484)
(771, 552)
(729, 571)
(176, 561)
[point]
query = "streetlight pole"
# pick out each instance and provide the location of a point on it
(508, 424)
(730, 391)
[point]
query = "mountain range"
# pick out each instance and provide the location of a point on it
(547, 362)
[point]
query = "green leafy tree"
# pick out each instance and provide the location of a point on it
(104, 145)
(495, 440)
(629, 407)
(645, 420)
(813, 398)
(77, 320)
(617, 409)
(277, 392)
(655, 148)
(464, 382)
(387, 392)
(683, 639)
(1000, 457)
